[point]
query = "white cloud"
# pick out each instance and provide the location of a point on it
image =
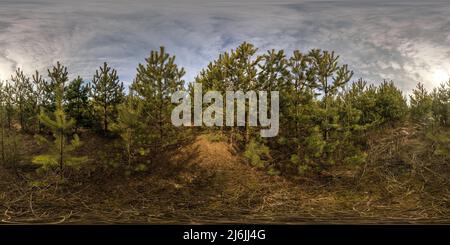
(399, 40)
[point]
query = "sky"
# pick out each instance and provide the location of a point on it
(400, 40)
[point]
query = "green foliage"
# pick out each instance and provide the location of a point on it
(257, 153)
(7, 93)
(129, 126)
(77, 102)
(357, 106)
(421, 103)
(274, 73)
(324, 121)
(155, 82)
(440, 141)
(302, 166)
(238, 70)
(273, 171)
(107, 93)
(390, 103)
(10, 141)
(330, 76)
(60, 150)
(23, 98)
(356, 159)
(141, 168)
(43, 96)
(10, 148)
(216, 137)
(315, 143)
(441, 104)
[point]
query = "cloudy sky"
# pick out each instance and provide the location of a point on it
(406, 41)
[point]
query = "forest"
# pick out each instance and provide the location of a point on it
(348, 150)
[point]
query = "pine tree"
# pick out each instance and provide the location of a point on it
(356, 103)
(273, 75)
(41, 94)
(421, 103)
(325, 78)
(77, 101)
(23, 98)
(441, 104)
(390, 103)
(60, 151)
(241, 72)
(2, 122)
(9, 103)
(300, 92)
(257, 153)
(363, 97)
(9, 141)
(238, 70)
(129, 126)
(107, 93)
(155, 82)
(330, 77)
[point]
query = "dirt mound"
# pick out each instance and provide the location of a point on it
(217, 158)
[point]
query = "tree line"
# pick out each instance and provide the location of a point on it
(324, 115)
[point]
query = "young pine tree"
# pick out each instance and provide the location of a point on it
(2, 122)
(130, 127)
(23, 98)
(77, 102)
(273, 75)
(330, 77)
(155, 82)
(238, 70)
(107, 93)
(299, 108)
(390, 103)
(9, 140)
(8, 93)
(421, 103)
(441, 104)
(60, 150)
(41, 95)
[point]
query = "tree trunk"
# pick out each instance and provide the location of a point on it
(2, 137)
(130, 139)
(22, 126)
(161, 131)
(61, 155)
(326, 109)
(105, 119)
(39, 126)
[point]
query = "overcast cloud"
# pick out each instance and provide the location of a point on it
(406, 41)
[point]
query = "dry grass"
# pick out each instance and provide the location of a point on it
(204, 182)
